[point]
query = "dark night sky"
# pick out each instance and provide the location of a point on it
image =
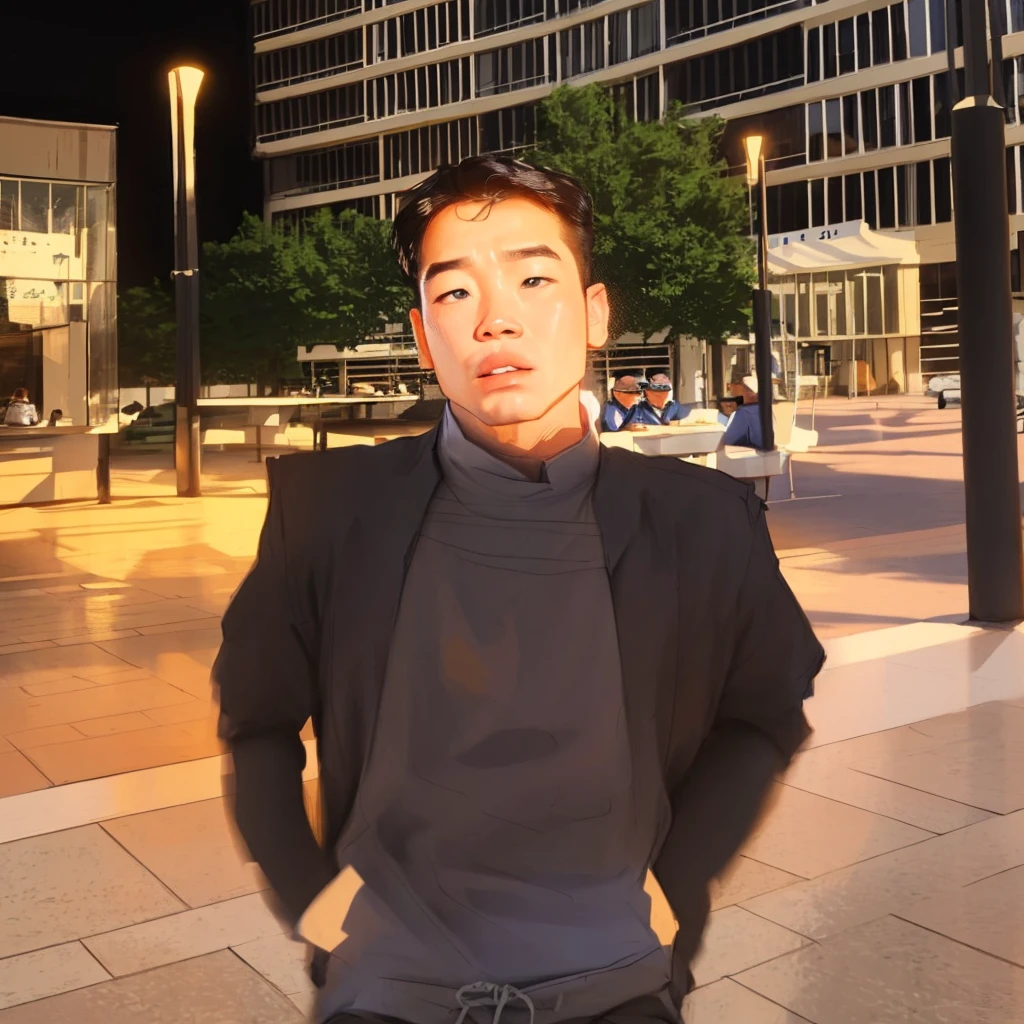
(89, 62)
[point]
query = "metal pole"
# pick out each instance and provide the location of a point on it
(184, 86)
(763, 317)
(995, 556)
(103, 470)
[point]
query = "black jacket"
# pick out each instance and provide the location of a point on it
(715, 670)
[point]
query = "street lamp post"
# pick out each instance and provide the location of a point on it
(184, 85)
(995, 560)
(762, 298)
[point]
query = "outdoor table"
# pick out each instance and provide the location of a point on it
(682, 440)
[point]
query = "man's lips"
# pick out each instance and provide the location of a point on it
(501, 361)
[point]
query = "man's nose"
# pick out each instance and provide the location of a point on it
(498, 325)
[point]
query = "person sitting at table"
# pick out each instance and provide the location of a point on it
(726, 406)
(744, 427)
(20, 411)
(660, 403)
(624, 410)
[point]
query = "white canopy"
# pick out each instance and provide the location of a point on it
(844, 247)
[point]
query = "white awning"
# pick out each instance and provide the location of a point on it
(844, 247)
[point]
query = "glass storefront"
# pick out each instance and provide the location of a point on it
(57, 297)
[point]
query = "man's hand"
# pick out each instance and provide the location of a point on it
(321, 924)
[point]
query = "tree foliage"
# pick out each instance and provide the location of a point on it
(271, 289)
(670, 226)
(146, 336)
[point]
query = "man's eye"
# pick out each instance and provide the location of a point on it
(454, 293)
(538, 280)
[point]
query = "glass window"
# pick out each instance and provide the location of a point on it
(886, 198)
(618, 48)
(887, 115)
(905, 206)
(35, 206)
(898, 28)
(65, 206)
(822, 321)
(1016, 16)
(834, 190)
(863, 40)
(837, 295)
(833, 130)
(803, 305)
(857, 290)
(905, 124)
(943, 114)
(880, 36)
(851, 125)
(923, 173)
(873, 302)
(851, 185)
(917, 16)
(922, 96)
(828, 33)
(9, 205)
(847, 56)
(869, 120)
(814, 54)
(818, 203)
(870, 203)
(943, 191)
(891, 294)
(99, 221)
(937, 16)
(1011, 179)
(815, 133)
(646, 36)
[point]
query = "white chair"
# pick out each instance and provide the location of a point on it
(800, 441)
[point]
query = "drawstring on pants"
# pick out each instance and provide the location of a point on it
(484, 993)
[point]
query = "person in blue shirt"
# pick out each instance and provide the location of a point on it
(744, 428)
(625, 408)
(661, 406)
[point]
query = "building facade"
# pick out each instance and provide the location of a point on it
(58, 301)
(358, 100)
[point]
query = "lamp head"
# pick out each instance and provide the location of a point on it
(752, 144)
(190, 79)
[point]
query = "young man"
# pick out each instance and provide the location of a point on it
(658, 396)
(499, 764)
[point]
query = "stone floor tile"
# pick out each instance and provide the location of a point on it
(216, 989)
(726, 1002)
(892, 882)
(92, 638)
(66, 885)
(5, 745)
(182, 658)
(113, 724)
(193, 933)
(97, 756)
(47, 972)
(19, 775)
(851, 752)
(43, 737)
(997, 718)
(735, 940)
(892, 972)
(50, 663)
(901, 803)
(20, 714)
(192, 849)
(987, 915)
(809, 835)
(23, 648)
(198, 621)
(282, 961)
(984, 771)
(744, 879)
(68, 685)
(193, 711)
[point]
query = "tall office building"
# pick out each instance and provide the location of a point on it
(357, 100)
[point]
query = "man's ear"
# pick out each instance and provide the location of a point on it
(416, 319)
(597, 316)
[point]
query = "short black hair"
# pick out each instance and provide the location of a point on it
(491, 179)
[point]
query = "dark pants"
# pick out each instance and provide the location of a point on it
(645, 1010)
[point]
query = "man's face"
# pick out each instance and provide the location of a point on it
(627, 391)
(500, 287)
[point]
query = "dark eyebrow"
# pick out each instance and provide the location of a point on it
(509, 256)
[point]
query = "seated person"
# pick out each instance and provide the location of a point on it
(660, 403)
(624, 409)
(20, 411)
(744, 428)
(726, 407)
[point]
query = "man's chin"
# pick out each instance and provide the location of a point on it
(505, 409)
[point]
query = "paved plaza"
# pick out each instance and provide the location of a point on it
(885, 884)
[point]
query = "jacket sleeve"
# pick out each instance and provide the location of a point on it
(266, 675)
(758, 727)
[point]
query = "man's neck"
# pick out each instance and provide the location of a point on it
(527, 446)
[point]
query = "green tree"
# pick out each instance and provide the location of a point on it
(670, 226)
(270, 289)
(146, 337)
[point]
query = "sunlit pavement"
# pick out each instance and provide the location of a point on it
(886, 883)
